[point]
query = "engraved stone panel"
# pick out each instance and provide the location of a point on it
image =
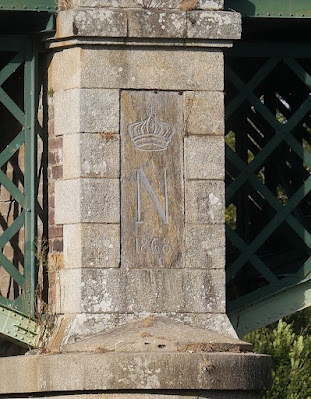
(152, 199)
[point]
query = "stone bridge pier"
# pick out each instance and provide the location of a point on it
(138, 116)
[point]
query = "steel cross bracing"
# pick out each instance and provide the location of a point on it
(18, 170)
(268, 177)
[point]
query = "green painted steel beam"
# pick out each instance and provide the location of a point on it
(272, 308)
(18, 328)
(29, 5)
(271, 8)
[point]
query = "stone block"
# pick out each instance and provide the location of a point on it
(211, 4)
(145, 372)
(205, 246)
(91, 245)
(99, 111)
(156, 23)
(130, 3)
(64, 121)
(67, 201)
(65, 70)
(72, 235)
(205, 202)
(204, 157)
(100, 201)
(97, 22)
(214, 25)
(151, 4)
(69, 291)
(141, 68)
(87, 201)
(204, 112)
(154, 291)
(95, 111)
(91, 155)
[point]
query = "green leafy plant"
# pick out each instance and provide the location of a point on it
(289, 344)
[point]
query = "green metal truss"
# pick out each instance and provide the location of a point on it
(15, 327)
(29, 5)
(17, 307)
(268, 180)
(271, 8)
(272, 308)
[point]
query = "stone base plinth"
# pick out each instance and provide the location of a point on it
(148, 356)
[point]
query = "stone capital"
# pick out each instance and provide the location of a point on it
(146, 26)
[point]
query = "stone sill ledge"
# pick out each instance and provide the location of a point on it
(146, 24)
(152, 4)
(121, 371)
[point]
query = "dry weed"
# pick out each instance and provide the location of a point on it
(187, 5)
(64, 4)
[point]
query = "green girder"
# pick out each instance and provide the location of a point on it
(29, 5)
(271, 8)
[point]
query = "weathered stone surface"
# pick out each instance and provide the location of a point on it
(64, 121)
(67, 201)
(124, 371)
(152, 210)
(204, 112)
(211, 4)
(68, 291)
(153, 291)
(156, 23)
(154, 334)
(87, 200)
(95, 22)
(160, 4)
(164, 395)
(91, 245)
(91, 155)
(149, 23)
(65, 70)
(204, 157)
(214, 25)
(205, 246)
(91, 110)
(205, 202)
(152, 69)
(86, 324)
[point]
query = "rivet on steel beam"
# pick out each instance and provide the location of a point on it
(268, 14)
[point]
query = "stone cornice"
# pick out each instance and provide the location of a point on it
(147, 27)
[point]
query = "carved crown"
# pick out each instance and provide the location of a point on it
(151, 134)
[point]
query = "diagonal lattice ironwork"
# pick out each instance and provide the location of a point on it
(17, 174)
(268, 172)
